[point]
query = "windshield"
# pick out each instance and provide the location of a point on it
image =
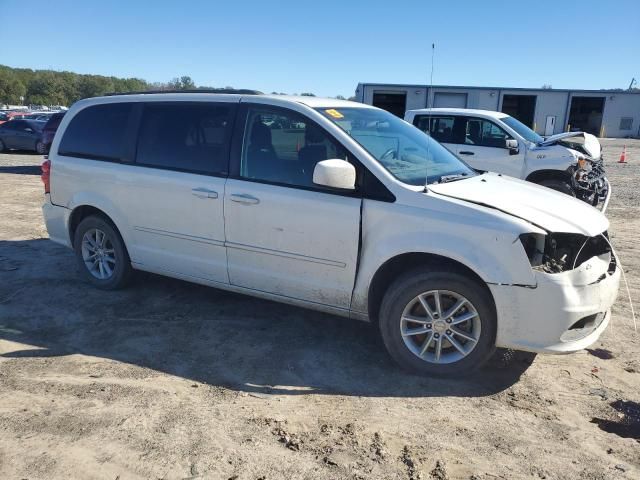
(407, 153)
(522, 130)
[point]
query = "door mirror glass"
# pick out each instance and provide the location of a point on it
(335, 173)
(512, 145)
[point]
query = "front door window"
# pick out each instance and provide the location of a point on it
(484, 133)
(284, 147)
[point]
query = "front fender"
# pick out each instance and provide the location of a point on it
(494, 254)
(553, 157)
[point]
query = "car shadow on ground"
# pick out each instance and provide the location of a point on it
(208, 335)
(21, 169)
(28, 153)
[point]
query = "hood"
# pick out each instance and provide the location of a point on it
(550, 210)
(581, 141)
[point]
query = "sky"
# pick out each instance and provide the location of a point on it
(326, 47)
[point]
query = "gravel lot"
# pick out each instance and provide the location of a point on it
(172, 380)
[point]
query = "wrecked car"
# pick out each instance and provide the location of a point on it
(349, 210)
(569, 162)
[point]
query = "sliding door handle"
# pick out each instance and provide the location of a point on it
(244, 199)
(466, 152)
(204, 193)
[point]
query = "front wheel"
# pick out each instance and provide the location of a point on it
(438, 323)
(558, 185)
(40, 148)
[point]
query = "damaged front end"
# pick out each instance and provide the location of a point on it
(589, 182)
(576, 283)
(587, 175)
(560, 252)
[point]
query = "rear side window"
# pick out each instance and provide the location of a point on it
(186, 136)
(97, 132)
(442, 128)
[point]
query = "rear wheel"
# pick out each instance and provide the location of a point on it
(40, 148)
(438, 323)
(101, 254)
(558, 185)
(2, 146)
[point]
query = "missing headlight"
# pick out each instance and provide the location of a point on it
(565, 251)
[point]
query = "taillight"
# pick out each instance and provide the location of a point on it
(46, 174)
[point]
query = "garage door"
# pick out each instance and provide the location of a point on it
(450, 100)
(395, 103)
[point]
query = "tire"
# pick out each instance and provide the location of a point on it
(397, 302)
(41, 148)
(98, 238)
(2, 146)
(558, 185)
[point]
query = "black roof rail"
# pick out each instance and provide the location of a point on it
(230, 91)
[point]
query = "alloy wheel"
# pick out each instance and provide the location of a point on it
(98, 254)
(440, 326)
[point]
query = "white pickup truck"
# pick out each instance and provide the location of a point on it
(493, 141)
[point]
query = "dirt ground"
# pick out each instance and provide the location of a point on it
(169, 380)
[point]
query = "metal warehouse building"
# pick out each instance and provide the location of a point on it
(604, 113)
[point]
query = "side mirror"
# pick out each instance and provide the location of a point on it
(335, 173)
(512, 146)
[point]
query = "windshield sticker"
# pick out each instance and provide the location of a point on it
(334, 113)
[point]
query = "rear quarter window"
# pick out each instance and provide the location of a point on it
(97, 132)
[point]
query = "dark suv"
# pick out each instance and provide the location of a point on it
(50, 129)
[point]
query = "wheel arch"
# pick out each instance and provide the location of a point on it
(538, 176)
(397, 265)
(81, 212)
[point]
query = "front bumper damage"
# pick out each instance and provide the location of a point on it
(591, 184)
(565, 311)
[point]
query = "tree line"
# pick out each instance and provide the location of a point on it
(50, 87)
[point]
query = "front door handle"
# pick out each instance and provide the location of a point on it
(244, 199)
(204, 193)
(466, 152)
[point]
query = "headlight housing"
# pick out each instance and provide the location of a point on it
(533, 244)
(559, 252)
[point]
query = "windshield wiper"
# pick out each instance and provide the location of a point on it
(452, 178)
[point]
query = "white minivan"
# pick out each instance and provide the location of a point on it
(335, 206)
(494, 141)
